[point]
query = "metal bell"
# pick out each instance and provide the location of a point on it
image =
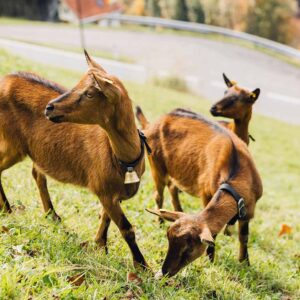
(131, 176)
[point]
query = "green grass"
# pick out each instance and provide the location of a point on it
(38, 255)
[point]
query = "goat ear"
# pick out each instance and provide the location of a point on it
(91, 63)
(106, 85)
(228, 82)
(206, 237)
(254, 95)
(166, 214)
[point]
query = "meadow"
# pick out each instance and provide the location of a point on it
(39, 257)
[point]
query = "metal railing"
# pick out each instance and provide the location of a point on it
(201, 28)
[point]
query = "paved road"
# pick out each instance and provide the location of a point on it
(200, 61)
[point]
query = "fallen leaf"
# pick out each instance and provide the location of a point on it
(77, 279)
(84, 244)
(21, 207)
(132, 277)
(4, 229)
(285, 229)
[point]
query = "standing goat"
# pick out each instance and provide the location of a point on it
(236, 104)
(205, 160)
(107, 157)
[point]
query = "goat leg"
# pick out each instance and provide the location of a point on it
(41, 182)
(4, 204)
(101, 236)
(116, 213)
(243, 238)
(174, 191)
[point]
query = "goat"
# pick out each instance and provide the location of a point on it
(90, 139)
(205, 160)
(236, 104)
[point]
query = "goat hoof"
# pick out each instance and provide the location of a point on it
(141, 265)
(245, 261)
(54, 216)
(101, 244)
(6, 210)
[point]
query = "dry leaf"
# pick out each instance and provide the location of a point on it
(285, 229)
(4, 229)
(21, 207)
(84, 244)
(132, 277)
(77, 279)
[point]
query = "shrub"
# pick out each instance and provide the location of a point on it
(272, 19)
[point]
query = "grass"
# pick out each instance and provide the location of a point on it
(215, 37)
(37, 255)
(171, 82)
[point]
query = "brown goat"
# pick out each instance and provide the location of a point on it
(199, 156)
(236, 104)
(107, 156)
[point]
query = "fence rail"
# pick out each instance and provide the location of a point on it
(201, 28)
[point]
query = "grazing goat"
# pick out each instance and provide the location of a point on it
(236, 104)
(205, 160)
(107, 156)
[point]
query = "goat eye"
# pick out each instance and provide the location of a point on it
(89, 94)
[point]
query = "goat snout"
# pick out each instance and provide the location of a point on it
(49, 109)
(214, 110)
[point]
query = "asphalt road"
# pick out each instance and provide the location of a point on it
(200, 61)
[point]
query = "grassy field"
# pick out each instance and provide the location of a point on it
(38, 256)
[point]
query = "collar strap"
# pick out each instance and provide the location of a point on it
(130, 166)
(242, 212)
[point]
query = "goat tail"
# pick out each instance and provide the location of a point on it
(141, 117)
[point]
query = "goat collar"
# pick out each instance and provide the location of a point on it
(129, 167)
(242, 212)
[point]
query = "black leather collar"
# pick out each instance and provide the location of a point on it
(242, 212)
(130, 166)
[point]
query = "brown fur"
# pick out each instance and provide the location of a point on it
(198, 155)
(84, 155)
